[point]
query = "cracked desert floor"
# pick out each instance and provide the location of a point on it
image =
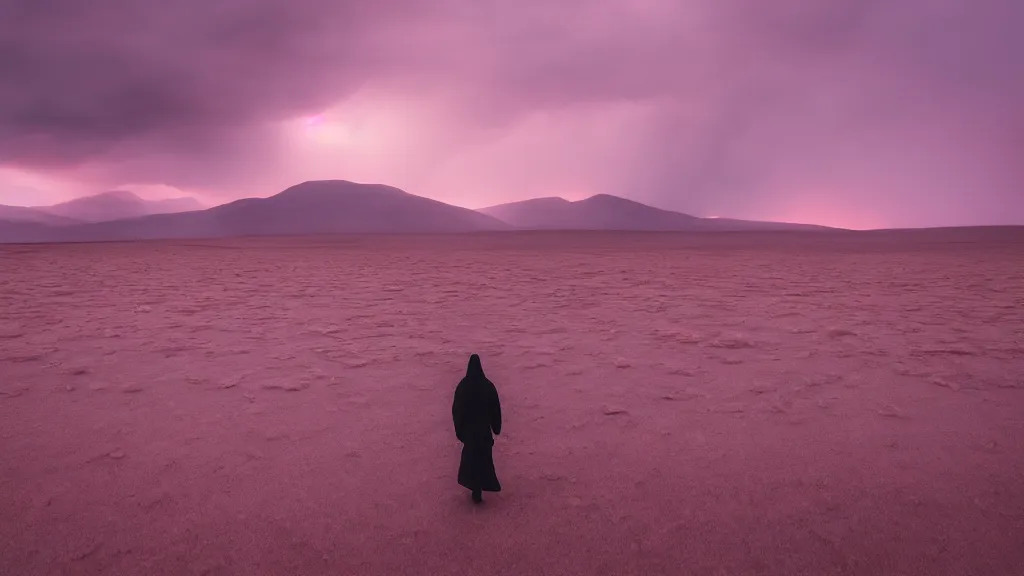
(734, 404)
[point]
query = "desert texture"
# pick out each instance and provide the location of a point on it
(718, 404)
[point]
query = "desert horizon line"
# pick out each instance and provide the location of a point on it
(206, 203)
(204, 198)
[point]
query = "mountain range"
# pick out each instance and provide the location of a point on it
(606, 212)
(114, 205)
(338, 207)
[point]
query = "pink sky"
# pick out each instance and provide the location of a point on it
(858, 113)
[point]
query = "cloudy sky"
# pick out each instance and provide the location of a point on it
(859, 113)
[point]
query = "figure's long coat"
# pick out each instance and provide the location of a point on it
(476, 412)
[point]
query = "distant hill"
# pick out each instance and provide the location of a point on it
(117, 205)
(24, 214)
(173, 205)
(15, 232)
(319, 207)
(606, 212)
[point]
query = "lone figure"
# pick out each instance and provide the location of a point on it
(476, 413)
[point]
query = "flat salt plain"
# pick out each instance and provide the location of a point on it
(718, 404)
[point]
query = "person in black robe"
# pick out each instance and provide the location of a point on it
(476, 412)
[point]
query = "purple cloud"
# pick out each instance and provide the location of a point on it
(905, 112)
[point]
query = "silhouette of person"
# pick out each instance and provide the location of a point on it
(476, 412)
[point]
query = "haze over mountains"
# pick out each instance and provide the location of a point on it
(25, 214)
(114, 205)
(606, 212)
(339, 207)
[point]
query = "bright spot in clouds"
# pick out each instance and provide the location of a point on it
(327, 131)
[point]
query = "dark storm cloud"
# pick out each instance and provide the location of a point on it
(79, 78)
(906, 111)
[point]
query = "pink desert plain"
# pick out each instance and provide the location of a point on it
(751, 403)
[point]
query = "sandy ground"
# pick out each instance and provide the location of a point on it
(707, 405)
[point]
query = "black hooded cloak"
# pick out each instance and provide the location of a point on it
(476, 412)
